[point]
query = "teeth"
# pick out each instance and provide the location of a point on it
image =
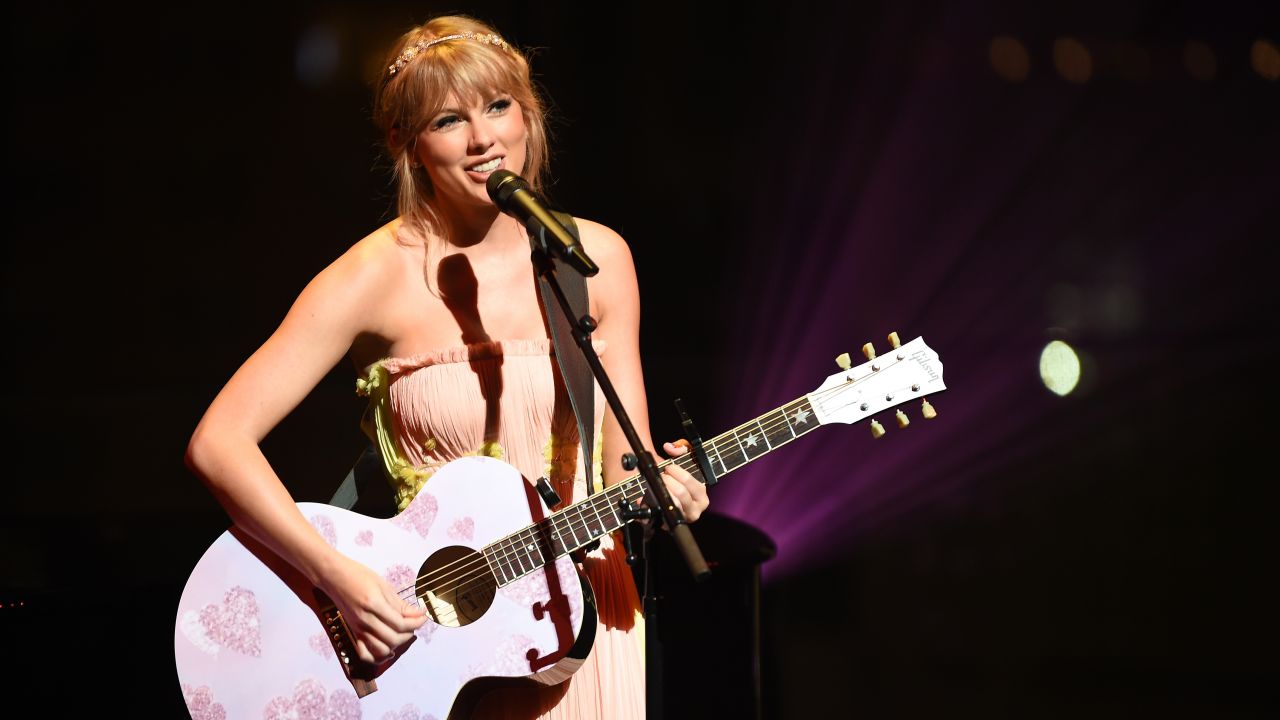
(491, 165)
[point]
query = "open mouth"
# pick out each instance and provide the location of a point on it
(486, 167)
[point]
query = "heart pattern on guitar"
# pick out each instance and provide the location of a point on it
(201, 704)
(464, 528)
(420, 515)
(324, 526)
(233, 625)
(311, 700)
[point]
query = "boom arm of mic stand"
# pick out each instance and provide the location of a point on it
(657, 490)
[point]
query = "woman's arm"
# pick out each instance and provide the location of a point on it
(616, 296)
(224, 449)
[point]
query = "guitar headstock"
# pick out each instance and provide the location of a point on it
(907, 373)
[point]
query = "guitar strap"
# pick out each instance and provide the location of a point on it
(569, 358)
(365, 488)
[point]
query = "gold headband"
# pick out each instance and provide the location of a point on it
(421, 46)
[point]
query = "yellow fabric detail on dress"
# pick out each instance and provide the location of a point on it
(405, 479)
(561, 464)
(561, 458)
(597, 463)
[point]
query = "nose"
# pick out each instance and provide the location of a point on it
(481, 136)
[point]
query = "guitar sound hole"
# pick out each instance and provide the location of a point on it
(455, 586)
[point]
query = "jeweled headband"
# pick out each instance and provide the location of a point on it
(421, 46)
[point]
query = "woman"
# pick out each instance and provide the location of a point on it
(439, 313)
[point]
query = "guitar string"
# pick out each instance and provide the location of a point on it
(508, 544)
(481, 579)
(473, 571)
(477, 561)
(485, 579)
(468, 572)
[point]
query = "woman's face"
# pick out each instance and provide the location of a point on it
(461, 146)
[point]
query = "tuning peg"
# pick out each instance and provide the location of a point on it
(843, 361)
(903, 420)
(894, 342)
(869, 351)
(877, 430)
(927, 410)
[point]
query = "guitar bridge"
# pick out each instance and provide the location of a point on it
(339, 636)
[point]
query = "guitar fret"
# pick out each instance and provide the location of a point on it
(800, 414)
(589, 516)
(713, 455)
(637, 496)
(751, 445)
(527, 548)
(494, 567)
(691, 465)
(611, 521)
(780, 432)
(731, 456)
(783, 433)
(615, 520)
(518, 552)
(580, 533)
(597, 510)
(599, 522)
(533, 549)
(535, 546)
(499, 562)
(503, 561)
(557, 542)
(513, 557)
(513, 553)
(765, 433)
(686, 463)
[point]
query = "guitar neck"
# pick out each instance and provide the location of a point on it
(563, 532)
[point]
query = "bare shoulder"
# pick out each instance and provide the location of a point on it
(365, 272)
(603, 244)
(345, 302)
(367, 263)
(613, 290)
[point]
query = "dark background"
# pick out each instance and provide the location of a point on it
(794, 181)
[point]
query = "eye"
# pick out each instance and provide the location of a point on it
(499, 106)
(444, 121)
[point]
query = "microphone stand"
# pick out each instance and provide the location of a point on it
(656, 494)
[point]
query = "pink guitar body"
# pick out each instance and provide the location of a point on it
(250, 640)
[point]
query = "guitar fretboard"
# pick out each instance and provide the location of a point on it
(538, 545)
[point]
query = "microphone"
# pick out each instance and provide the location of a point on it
(513, 196)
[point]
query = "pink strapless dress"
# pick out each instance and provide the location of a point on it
(506, 399)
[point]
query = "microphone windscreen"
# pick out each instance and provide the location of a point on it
(502, 184)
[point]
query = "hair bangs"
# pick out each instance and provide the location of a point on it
(468, 73)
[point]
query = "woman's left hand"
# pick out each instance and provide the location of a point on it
(689, 494)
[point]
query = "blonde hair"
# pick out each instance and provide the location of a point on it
(406, 100)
